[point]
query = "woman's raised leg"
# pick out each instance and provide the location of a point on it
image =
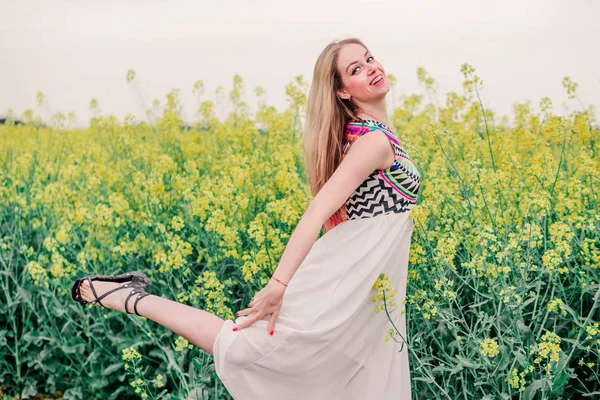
(197, 326)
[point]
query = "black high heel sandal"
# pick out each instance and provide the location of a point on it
(136, 280)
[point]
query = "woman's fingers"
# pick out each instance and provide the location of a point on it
(246, 311)
(271, 327)
(252, 307)
(253, 302)
(254, 315)
(246, 323)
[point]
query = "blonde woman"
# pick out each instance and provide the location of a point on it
(312, 332)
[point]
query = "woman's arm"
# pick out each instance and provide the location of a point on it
(369, 152)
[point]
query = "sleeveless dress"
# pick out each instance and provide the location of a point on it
(329, 343)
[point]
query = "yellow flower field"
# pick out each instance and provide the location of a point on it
(503, 290)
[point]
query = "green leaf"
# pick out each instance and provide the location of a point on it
(522, 327)
(197, 364)
(563, 375)
(439, 368)
(529, 392)
(504, 358)
(520, 357)
(116, 394)
(466, 363)
(423, 379)
(528, 301)
(592, 394)
(569, 310)
(35, 338)
(73, 393)
(456, 369)
(29, 390)
(478, 304)
(112, 368)
(73, 349)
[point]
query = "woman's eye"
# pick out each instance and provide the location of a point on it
(354, 70)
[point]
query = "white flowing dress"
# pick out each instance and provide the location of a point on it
(328, 341)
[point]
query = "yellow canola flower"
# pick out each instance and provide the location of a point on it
(131, 354)
(428, 309)
(592, 330)
(158, 381)
(175, 257)
(383, 287)
(548, 350)
(211, 291)
(489, 347)
(177, 223)
(517, 379)
(551, 260)
(555, 305)
(446, 284)
(37, 273)
(182, 343)
(62, 235)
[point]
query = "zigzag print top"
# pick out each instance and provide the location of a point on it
(393, 190)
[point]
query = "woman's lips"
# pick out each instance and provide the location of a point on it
(380, 81)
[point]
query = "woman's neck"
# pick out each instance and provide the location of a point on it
(377, 116)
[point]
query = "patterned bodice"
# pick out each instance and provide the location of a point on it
(393, 190)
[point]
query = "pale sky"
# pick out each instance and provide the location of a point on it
(76, 50)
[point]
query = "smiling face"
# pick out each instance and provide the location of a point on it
(358, 70)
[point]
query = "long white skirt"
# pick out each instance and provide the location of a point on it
(329, 342)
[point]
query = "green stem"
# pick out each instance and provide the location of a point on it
(486, 127)
(426, 370)
(537, 337)
(587, 320)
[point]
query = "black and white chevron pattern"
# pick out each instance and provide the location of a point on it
(374, 197)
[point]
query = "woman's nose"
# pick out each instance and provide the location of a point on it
(372, 68)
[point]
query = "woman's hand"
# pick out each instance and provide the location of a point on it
(266, 302)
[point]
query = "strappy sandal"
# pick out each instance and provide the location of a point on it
(136, 280)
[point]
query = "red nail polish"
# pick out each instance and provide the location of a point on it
(235, 329)
(237, 314)
(271, 332)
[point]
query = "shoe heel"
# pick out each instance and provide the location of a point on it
(139, 278)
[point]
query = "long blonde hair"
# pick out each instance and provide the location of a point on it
(326, 118)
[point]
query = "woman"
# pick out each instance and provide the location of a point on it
(329, 343)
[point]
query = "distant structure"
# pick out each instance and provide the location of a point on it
(17, 122)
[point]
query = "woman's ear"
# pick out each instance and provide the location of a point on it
(343, 95)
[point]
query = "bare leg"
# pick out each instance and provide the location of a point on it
(197, 326)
